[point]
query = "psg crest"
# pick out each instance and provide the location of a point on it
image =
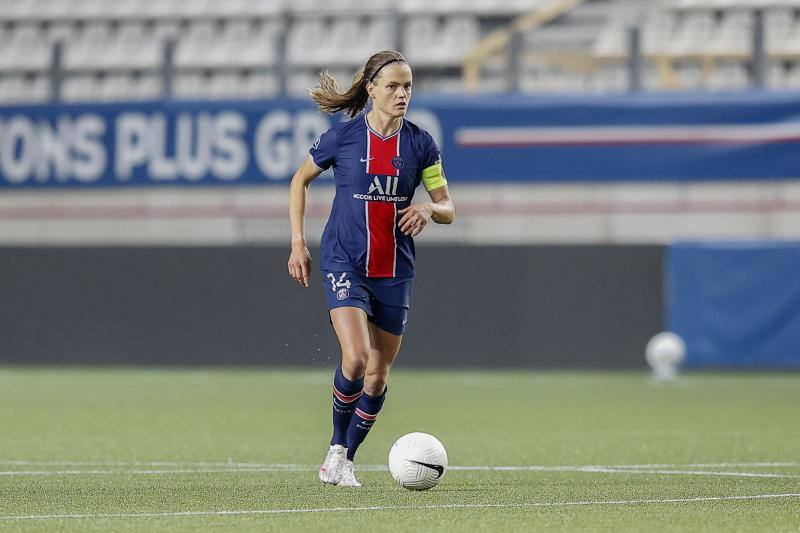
(342, 294)
(397, 162)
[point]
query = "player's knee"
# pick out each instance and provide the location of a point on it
(375, 381)
(354, 363)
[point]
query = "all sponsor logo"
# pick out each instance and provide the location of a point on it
(382, 189)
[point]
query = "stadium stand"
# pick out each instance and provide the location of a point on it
(103, 50)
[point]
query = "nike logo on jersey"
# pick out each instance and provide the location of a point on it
(365, 159)
(439, 468)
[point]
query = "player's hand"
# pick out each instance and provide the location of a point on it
(415, 218)
(300, 264)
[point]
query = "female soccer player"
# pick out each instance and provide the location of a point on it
(367, 249)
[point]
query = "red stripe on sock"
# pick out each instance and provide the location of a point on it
(344, 398)
(366, 416)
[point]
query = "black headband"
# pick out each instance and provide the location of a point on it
(379, 68)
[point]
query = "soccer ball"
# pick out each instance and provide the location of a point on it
(417, 461)
(664, 353)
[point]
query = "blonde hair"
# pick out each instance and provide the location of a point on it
(330, 99)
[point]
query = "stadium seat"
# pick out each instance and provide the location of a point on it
(17, 10)
(61, 32)
(732, 76)
(80, 88)
(657, 31)
(120, 42)
(692, 34)
(235, 45)
(733, 34)
(792, 78)
(189, 86)
(428, 7)
(782, 35)
(341, 8)
(24, 89)
(164, 30)
(129, 47)
(221, 86)
(610, 78)
(25, 48)
(431, 43)
(261, 85)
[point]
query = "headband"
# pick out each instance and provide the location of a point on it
(379, 68)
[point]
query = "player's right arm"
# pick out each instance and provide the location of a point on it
(300, 258)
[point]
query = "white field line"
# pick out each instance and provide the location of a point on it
(231, 464)
(688, 472)
(297, 466)
(608, 469)
(404, 507)
(706, 465)
(47, 473)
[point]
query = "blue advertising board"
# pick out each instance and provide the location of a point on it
(648, 137)
(736, 304)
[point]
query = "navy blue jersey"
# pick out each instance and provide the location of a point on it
(375, 177)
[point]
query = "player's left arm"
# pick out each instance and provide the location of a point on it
(416, 216)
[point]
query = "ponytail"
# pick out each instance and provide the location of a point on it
(329, 100)
(328, 97)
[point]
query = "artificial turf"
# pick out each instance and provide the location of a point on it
(183, 450)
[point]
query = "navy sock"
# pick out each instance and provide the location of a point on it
(345, 397)
(366, 412)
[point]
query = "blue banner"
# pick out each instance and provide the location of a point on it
(483, 139)
(736, 304)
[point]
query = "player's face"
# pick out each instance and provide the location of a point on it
(391, 91)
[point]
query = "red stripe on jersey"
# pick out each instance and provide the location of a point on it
(381, 152)
(381, 246)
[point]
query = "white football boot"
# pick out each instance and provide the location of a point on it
(348, 478)
(331, 469)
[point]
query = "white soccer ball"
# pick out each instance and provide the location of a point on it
(664, 353)
(417, 461)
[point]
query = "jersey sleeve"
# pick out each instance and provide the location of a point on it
(324, 149)
(432, 172)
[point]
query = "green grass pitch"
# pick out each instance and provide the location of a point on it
(233, 450)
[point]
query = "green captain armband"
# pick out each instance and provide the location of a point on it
(433, 177)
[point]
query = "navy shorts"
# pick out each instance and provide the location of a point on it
(385, 300)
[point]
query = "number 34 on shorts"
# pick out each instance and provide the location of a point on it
(340, 287)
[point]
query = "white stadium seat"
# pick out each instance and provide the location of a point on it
(428, 42)
(733, 34)
(227, 47)
(17, 10)
(80, 89)
(130, 47)
(24, 89)
(26, 48)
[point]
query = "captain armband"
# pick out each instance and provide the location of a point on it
(433, 176)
